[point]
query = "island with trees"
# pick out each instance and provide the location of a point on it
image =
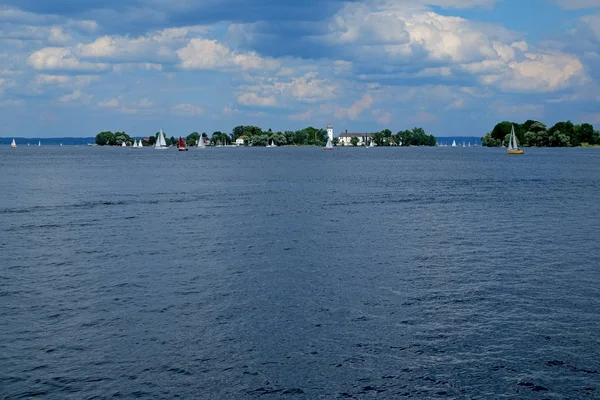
(536, 134)
(255, 136)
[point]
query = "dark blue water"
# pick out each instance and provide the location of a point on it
(242, 273)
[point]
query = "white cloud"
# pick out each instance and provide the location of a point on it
(275, 90)
(58, 35)
(388, 35)
(152, 48)
(76, 96)
(210, 54)
(45, 79)
(61, 58)
(540, 73)
(252, 99)
(187, 110)
(364, 103)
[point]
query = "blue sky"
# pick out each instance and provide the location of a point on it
(454, 67)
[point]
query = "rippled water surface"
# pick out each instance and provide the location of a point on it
(242, 273)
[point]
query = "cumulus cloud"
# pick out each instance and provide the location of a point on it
(61, 59)
(252, 99)
(210, 54)
(76, 96)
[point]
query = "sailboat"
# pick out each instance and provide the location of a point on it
(371, 143)
(39, 143)
(201, 143)
(161, 143)
(181, 145)
(123, 144)
(13, 144)
(329, 145)
(513, 148)
(454, 143)
(271, 143)
(135, 144)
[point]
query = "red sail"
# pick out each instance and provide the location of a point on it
(180, 143)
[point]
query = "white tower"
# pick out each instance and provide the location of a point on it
(330, 132)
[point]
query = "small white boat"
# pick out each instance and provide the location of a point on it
(39, 143)
(201, 144)
(329, 145)
(123, 144)
(161, 143)
(271, 143)
(13, 144)
(513, 147)
(454, 143)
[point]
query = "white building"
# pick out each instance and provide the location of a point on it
(345, 138)
(330, 131)
(239, 141)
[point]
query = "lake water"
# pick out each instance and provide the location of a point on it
(239, 273)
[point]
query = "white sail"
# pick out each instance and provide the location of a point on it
(329, 145)
(201, 143)
(514, 137)
(161, 143)
(454, 143)
(39, 143)
(13, 144)
(510, 139)
(372, 143)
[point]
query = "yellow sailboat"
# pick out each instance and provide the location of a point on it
(512, 143)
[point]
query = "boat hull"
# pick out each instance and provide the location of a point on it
(516, 152)
(180, 149)
(327, 149)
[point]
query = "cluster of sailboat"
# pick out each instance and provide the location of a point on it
(161, 143)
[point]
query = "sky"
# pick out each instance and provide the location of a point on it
(453, 67)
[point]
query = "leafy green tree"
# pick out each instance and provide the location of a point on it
(563, 128)
(121, 137)
(354, 141)
(105, 138)
(192, 139)
(335, 141)
(489, 141)
(237, 131)
(378, 138)
(405, 136)
(586, 134)
(259, 140)
(501, 130)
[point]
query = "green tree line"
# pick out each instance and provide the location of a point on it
(536, 134)
(255, 136)
(414, 137)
